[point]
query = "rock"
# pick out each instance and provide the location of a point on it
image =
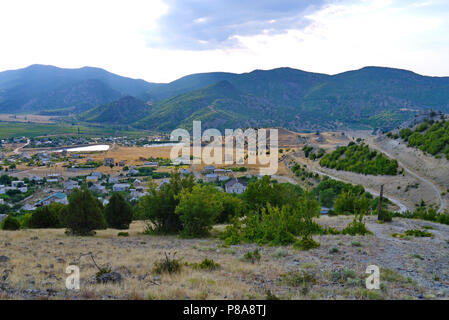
(60, 260)
(4, 259)
(109, 277)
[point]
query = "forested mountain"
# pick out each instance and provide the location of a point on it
(295, 99)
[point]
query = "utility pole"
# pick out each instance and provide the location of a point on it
(379, 212)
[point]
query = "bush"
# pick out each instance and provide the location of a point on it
(10, 223)
(356, 228)
(252, 256)
(84, 213)
(206, 264)
(123, 234)
(198, 210)
(276, 226)
(168, 265)
(306, 243)
(418, 233)
(118, 212)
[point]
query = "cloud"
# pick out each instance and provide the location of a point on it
(214, 24)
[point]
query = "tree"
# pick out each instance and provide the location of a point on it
(84, 213)
(10, 223)
(118, 212)
(198, 210)
(232, 207)
(158, 208)
(47, 216)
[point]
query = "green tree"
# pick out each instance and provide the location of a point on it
(10, 223)
(47, 216)
(232, 207)
(199, 209)
(118, 212)
(84, 213)
(158, 208)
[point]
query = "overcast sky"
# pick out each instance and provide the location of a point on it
(161, 40)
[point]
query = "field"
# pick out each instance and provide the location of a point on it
(413, 268)
(9, 129)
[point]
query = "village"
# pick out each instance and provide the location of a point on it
(39, 176)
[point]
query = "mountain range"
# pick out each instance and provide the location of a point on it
(294, 99)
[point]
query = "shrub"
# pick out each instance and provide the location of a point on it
(306, 244)
(418, 233)
(334, 250)
(198, 210)
(118, 212)
(206, 264)
(252, 256)
(356, 228)
(123, 234)
(168, 265)
(10, 223)
(84, 213)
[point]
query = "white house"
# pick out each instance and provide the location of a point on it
(70, 185)
(235, 186)
(16, 184)
(211, 177)
(120, 187)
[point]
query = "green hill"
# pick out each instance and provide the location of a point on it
(123, 111)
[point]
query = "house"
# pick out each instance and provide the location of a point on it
(25, 155)
(52, 180)
(131, 172)
(185, 172)
(16, 184)
(23, 189)
(108, 162)
(211, 177)
(36, 178)
(70, 185)
(121, 163)
(98, 188)
(113, 180)
(96, 174)
(209, 169)
(324, 210)
(91, 179)
(120, 187)
(151, 164)
(223, 178)
(28, 207)
(235, 186)
(58, 197)
(218, 171)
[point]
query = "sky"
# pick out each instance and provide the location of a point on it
(162, 40)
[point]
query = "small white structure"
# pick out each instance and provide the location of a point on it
(235, 186)
(70, 185)
(113, 180)
(120, 187)
(211, 177)
(98, 188)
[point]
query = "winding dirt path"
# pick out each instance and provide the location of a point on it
(443, 204)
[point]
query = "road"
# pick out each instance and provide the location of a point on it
(402, 207)
(17, 150)
(414, 174)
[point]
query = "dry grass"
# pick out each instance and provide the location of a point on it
(38, 259)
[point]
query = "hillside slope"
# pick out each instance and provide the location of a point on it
(126, 110)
